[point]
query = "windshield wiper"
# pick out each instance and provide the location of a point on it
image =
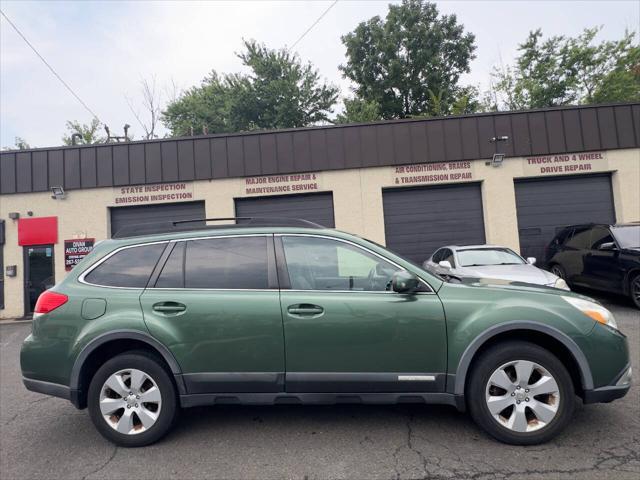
(509, 263)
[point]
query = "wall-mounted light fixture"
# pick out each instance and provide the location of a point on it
(58, 193)
(497, 159)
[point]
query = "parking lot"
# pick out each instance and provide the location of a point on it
(45, 437)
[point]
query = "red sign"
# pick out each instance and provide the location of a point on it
(37, 231)
(75, 250)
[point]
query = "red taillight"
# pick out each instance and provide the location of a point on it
(49, 301)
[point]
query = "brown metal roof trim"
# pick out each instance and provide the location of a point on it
(331, 147)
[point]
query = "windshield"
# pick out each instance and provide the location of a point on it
(627, 236)
(488, 256)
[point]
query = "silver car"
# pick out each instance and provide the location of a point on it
(490, 261)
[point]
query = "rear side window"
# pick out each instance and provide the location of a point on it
(580, 238)
(130, 267)
(562, 236)
(172, 275)
(229, 263)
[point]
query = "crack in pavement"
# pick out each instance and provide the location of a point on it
(621, 458)
(104, 465)
(16, 415)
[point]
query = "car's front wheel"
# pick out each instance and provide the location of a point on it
(520, 393)
(132, 400)
(558, 271)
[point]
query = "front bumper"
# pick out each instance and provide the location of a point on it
(606, 394)
(619, 388)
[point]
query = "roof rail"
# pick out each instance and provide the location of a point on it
(200, 224)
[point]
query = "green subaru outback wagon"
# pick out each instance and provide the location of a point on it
(263, 314)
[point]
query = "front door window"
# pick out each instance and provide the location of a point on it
(325, 264)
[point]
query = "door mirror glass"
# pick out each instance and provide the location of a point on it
(404, 282)
(445, 264)
(607, 246)
(531, 260)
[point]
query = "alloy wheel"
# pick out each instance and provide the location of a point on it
(557, 271)
(522, 396)
(130, 401)
(635, 290)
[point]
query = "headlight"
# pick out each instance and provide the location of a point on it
(560, 283)
(593, 310)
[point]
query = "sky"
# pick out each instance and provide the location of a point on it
(103, 50)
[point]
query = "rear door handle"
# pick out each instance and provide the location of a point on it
(169, 307)
(305, 310)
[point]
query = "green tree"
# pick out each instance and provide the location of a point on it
(357, 110)
(88, 132)
(19, 144)
(568, 70)
(410, 63)
(278, 92)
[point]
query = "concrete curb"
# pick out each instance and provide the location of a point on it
(12, 322)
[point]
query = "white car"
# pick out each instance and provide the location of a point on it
(490, 261)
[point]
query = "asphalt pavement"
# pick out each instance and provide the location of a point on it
(44, 438)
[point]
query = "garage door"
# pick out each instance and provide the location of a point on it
(546, 205)
(418, 221)
(122, 217)
(315, 207)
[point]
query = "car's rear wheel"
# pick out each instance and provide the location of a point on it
(520, 393)
(132, 400)
(634, 289)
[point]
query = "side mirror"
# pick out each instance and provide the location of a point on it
(445, 264)
(404, 282)
(607, 246)
(531, 260)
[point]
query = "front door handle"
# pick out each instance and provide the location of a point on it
(169, 307)
(305, 310)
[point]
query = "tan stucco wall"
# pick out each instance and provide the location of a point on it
(357, 196)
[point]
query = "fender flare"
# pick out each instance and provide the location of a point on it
(90, 347)
(473, 347)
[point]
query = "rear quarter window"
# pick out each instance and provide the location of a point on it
(129, 267)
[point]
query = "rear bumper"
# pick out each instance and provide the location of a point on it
(53, 389)
(48, 388)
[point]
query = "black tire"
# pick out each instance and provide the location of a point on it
(152, 366)
(493, 359)
(634, 289)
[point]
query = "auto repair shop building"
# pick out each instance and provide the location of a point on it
(413, 185)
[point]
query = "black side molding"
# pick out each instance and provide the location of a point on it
(284, 398)
(456, 384)
(126, 335)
